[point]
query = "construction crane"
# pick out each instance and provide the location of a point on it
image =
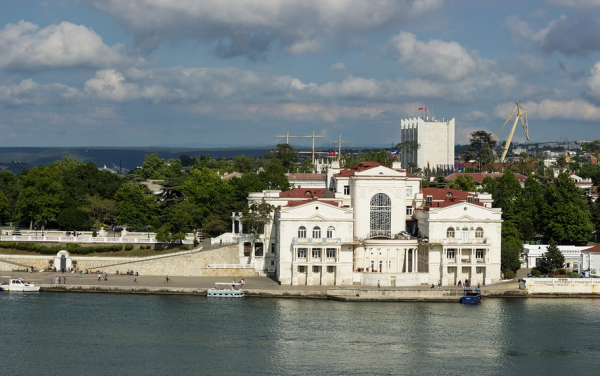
(520, 114)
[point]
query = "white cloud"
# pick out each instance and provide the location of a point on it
(26, 47)
(252, 27)
(448, 61)
(578, 4)
(337, 67)
(594, 82)
(571, 110)
(28, 92)
(571, 36)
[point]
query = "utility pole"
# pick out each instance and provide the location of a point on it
(339, 142)
(313, 136)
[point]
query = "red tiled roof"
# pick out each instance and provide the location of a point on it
(595, 248)
(445, 204)
(303, 192)
(441, 194)
(362, 166)
(297, 203)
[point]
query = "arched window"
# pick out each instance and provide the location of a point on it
(450, 232)
(330, 232)
(302, 232)
(316, 232)
(479, 232)
(381, 215)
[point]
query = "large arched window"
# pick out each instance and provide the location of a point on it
(479, 232)
(330, 232)
(316, 232)
(381, 216)
(302, 232)
(450, 232)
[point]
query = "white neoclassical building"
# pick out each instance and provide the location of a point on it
(373, 224)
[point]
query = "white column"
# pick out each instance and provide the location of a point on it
(416, 258)
(406, 260)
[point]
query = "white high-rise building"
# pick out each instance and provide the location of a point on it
(430, 142)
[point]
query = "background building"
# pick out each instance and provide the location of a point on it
(435, 140)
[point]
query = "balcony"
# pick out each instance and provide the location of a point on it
(459, 241)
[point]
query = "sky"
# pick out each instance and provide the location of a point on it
(201, 73)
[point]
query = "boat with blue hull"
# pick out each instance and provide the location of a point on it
(226, 290)
(471, 296)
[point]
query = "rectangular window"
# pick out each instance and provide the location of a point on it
(450, 254)
(330, 269)
(408, 191)
(330, 252)
(273, 248)
(301, 269)
(409, 210)
(316, 253)
(479, 270)
(315, 269)
(450, 270)
(346, 190)
(302, 252)
(479, 254)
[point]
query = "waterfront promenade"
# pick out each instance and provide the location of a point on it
(255, 286)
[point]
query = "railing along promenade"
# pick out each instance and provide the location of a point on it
(84, 239)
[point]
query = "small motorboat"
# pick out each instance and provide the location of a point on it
(471, 296)
(17, 284)
(226, 290)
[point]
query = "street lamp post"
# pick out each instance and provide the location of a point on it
(35, 229)
(148, 227)
(114, 234)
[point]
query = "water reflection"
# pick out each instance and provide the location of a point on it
(143, 335)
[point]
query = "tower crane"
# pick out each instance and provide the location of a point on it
(520, 114)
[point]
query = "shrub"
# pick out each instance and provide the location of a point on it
(94, 234)
(186, 230)
(562, 271)
(129, 247)
(184, 247)
(535, 273)
(196, 242)
(509, 274)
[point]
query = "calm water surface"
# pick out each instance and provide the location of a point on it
(104, 334)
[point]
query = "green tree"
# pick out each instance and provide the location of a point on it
(465, 183)
(40, 199)
(511, 250)
(9, 186)
(73, 219)
(286, 155)
(134, 207)
(243, 164)
(566, 216)
(552, 259)
(4, 208)
(481, 149)
(100, 210)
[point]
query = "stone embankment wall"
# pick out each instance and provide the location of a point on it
(368, 293)
(562, 286)
(186, 263)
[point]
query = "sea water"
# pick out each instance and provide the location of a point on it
(112, 334)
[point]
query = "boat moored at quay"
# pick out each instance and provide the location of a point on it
(18, 284)
(226, 290)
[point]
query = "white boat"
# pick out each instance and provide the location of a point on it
(18, 284)
(226, 290)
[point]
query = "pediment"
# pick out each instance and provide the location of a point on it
(379, 171)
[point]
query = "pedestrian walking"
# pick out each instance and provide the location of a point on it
(58, 280)
(51, 280)
(99, 277)
(64, 280)
(378, 284)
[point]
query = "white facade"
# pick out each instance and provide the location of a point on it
(533, 253)
(362, 230)
(435, 139)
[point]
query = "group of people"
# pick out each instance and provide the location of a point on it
(69, 233)
(466, 285)
(100, 276)
(64, 280)
(129, 272)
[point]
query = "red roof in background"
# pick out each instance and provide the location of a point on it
(297, 203)
(363, 166)
(307, 192)
(441, 194)
(479, 176)
(444, 204)
(595, 248)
